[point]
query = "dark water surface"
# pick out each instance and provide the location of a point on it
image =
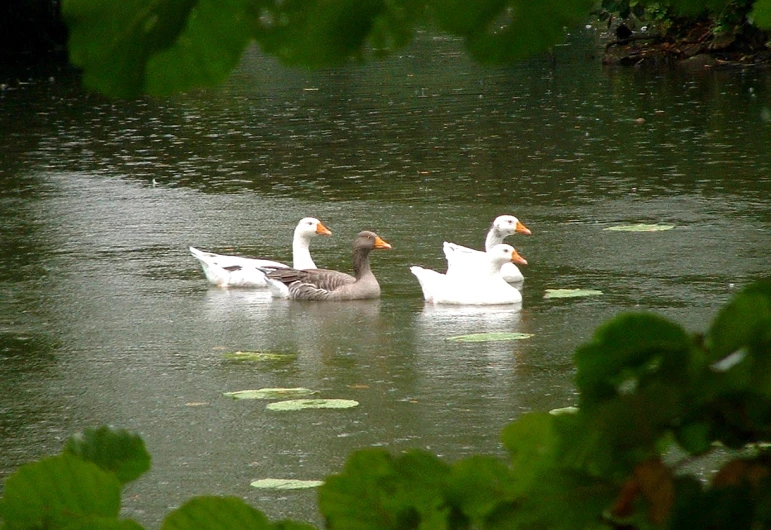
(105, 318)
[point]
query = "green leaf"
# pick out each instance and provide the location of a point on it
(101, 523)
(57, 491)
(302, 404)
(116, 450)
(640, 228)
(523, 28)
(216, 513)
(316, 33)
(479, 485)
(570, 293)
(490, 337)
(629, 351)
(550, 493)
(744, 321)
(761, 14)
(207, 50)
(377, 491)
(260, 356)
(285, 484)
(465, 18)
(533, 444)
(269, 393)
(112, 41)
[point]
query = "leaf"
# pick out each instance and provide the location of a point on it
(205, 52)
(270, 393)
(744, 321)
(490, 337)
(302, 404)
(629, 351)
(761, 14)
(521, 28)
(57, 491)
(563, 410)
(479, 484)
(316, 33)
(570, 293)
(285, 484)
(259, 356)
(156, 46)
(116, 450)
(641, 227)
(378, 491)
(216, 513)
(102, 523)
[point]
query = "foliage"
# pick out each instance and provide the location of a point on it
(647, 387)
(164, 46)
(724, 17)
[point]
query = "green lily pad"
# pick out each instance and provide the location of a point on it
(269, 393)
(285, 484)
(302, 404)
(563, 410)
(641, 227)
(490, 337)
(259, 356)
(570, 293)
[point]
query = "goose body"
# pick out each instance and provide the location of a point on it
(485, 287)
(325, 284)
(463, 261)
(235, 271)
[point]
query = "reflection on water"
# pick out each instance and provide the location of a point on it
(105, 317)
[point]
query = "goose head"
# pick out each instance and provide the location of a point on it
(367, 240)
(503, 253)
(507, 225)
(311, 227)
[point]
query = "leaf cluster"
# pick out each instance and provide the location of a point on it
(160, 47)
(647, 388)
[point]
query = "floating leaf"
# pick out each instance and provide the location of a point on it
(259, 356)
(490, 337)
(285, 484)
(563, 410)
(301, 404)
(269, 393)
(641, 227)
(570, 293)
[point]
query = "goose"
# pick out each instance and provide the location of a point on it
(325, 284)
(464, 261)
(235, 271)
(485, 287)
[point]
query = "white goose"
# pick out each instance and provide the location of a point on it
(485, 287)
(464, 261)
(235, 271)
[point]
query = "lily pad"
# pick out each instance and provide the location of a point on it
(285, 484)
(302, 404)
(570, 293)
(490, 337)
(563, 410)
(640, 227)
(259, 356)
(270, 393)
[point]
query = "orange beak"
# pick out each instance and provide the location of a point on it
(516, 258)
(522, 229)
(323, 230)
(379, 243)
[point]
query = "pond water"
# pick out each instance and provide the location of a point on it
(106, 319)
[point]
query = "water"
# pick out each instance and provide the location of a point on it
(105, 318)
